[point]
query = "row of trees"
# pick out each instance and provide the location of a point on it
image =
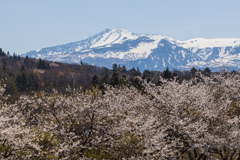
(61, 75)
(14, 56)
(194, 119)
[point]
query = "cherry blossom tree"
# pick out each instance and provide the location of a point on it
(194, 119)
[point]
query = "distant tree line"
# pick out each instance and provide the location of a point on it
(25, 75)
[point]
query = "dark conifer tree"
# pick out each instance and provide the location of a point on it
(115, 67)
(104, 79)
(207, 70)
(174, 74)
(23, 68)
(167, 74)
(14, 57)
(2, 53)
(8, 54)
(31, 82)
(42, 64)
(114, 79)
(21, 81)
(94, 81)
(135, 72)
(124, 69)
(27, 62)
(146, 73)
(193, 71)
(4, 65)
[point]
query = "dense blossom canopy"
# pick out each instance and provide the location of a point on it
(195, 119)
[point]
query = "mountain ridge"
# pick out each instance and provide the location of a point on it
(146, 51)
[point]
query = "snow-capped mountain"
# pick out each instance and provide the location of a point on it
(146, 51)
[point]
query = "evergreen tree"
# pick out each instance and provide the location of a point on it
(14, 57)
(193, 71)
(207, 70)
(135, 72)
(8, 54)
(138, 72)
(4, 66)
(23, 68)
(42, 64)
(31, 82)
(27, 62)
(2, 53)
(124, 69)
(146, 73)
(104, 79)
(174, 74)
(21, 81)
(119, 68)
(94, 81)
(167, 74)
(114, 79)
(115, 67)
(138, 69)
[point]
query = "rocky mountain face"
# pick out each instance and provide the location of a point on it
(146, 51)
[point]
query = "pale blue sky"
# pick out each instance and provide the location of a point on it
(33, 24)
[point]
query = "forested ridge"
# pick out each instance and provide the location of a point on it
(52, 110)
(25, 74)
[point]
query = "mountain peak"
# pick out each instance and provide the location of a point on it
(146, 51)
(120, 30)
(114, 30)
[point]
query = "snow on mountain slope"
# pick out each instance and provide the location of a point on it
(113, 37)
(139, 48)
(117, 37)
(209, 43)
(146, 51)
(231, 61)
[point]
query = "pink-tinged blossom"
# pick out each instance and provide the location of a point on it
(198, 118)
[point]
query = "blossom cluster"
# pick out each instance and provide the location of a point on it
(194, 119)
